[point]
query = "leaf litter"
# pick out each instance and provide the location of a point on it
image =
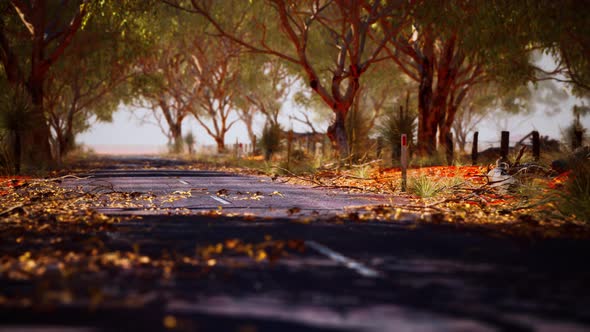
(54, 239)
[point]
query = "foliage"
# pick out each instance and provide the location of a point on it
(270, 141)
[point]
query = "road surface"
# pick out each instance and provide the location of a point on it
(330, 274)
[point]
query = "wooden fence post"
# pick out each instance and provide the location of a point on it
(474, 152)
(504, 146)
(536, 146)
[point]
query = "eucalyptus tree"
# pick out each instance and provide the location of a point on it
(95, 74)
(382, 87)
(33, 36)
(330, 43)
(449, 49)
(215, 67)
(169, 90)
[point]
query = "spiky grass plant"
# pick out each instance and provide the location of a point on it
(362, 172)
(395, 123)
(425, 186)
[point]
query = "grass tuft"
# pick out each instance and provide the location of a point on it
(425, 186)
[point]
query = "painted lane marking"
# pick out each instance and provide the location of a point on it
(348, 262)
(183, 182)
(220, 200)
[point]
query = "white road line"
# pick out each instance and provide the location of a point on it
(183, 182)
(348, 262)
(220, 200)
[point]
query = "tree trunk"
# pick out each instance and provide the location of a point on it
(427, 120)
(39, 150)
(337, 133)
(66, 140)
(177, 139)
(220, 144)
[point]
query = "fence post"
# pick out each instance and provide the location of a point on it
(404, 161)
(536, 146)
(474, 152)
(449, 148)
(504, 146)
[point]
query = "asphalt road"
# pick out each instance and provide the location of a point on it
(341, 276)
(210, 190)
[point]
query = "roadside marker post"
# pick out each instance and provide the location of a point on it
(404, 161)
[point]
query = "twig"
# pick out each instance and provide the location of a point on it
(338, 187)
(10, 209)
(314, 181)
(520, 153)
(68, 176)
